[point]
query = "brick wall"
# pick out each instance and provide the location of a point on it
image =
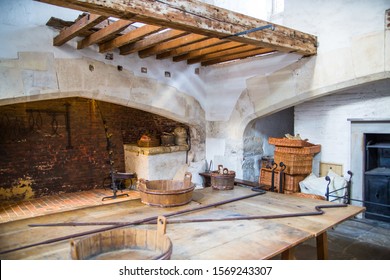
(40, 156)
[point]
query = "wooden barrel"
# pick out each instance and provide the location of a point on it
(223, 181)
(180, 136)
(166, 193)
(125, 244)
(167, 139)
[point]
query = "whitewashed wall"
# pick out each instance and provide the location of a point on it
(354, 49)
(325, 120)
(23, 29)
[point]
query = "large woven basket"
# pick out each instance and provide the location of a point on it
(290, 182)
(308, 195)
(266, 177)
(299, 151)
(285, 142)
(295, 163)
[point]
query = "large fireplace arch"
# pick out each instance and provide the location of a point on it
(59, 145)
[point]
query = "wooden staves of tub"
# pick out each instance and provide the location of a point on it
(125, 244)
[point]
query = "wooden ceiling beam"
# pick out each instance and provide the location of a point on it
(132, 36)
(223, 53)
(167, 46)
(200, 18)
(151, 41)
(209, 50)
(104, 34)
(192, 47)
(86, 22)
(237, 56)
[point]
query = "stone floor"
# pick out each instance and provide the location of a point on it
(355, 239)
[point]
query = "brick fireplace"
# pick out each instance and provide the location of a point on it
(56, 146)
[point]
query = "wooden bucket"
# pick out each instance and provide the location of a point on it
(124, 244)
(166, 193)
(223, 181)
(167, 139)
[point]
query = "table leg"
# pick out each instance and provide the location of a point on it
(322, 246)
(288, 254)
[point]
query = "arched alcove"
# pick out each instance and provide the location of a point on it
(256, 136)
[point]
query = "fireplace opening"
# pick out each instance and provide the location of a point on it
(377, 176)
(66, 145)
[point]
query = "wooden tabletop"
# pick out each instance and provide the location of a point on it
(242, 239)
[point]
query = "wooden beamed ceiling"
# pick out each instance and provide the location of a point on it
(177, 29)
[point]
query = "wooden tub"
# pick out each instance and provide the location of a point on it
(223, 181)
(125, 244)
(166, 193)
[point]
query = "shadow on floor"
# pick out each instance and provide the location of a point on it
(354, 239)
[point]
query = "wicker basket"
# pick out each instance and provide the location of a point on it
(222, 181)
(285, 142)
(295, 164)
(290, 182)
(308, 195)
(299, 151)
(266, 177)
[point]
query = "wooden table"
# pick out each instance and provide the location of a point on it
(243, 239)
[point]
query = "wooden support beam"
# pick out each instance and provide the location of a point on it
(226, 53)
(208, 50)
(78, 27)
(151, 41)
(104, 33)
(200, 18)
(167, 46)
(191, 47)
(132, 36)
(238, 55)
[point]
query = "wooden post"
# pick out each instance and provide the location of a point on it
(322, 246)
(288, 254)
